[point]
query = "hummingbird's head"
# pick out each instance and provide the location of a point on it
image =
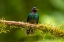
(34, 9)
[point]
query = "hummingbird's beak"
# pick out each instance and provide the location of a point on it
(36, 9)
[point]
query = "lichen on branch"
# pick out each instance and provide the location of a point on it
(45, 28)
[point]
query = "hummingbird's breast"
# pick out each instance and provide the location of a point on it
(33, 19)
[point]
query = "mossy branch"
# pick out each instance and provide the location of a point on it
(23, 24)
(45, 28)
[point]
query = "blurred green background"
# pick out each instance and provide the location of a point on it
(18, 10)
(50, 11)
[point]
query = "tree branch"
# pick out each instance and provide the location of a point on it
(23, 24)
(44, 27)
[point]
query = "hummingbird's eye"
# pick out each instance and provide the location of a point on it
(34, 8)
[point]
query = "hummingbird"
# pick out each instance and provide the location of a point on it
(32, 18)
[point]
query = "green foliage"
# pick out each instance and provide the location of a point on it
(3, 28)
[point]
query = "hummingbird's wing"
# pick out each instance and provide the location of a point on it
(28, 18)
(37, 19)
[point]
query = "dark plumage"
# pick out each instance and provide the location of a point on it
(33, 18)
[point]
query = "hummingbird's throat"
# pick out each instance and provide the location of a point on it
(34, 11)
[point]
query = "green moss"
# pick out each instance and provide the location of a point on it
(47, 31)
